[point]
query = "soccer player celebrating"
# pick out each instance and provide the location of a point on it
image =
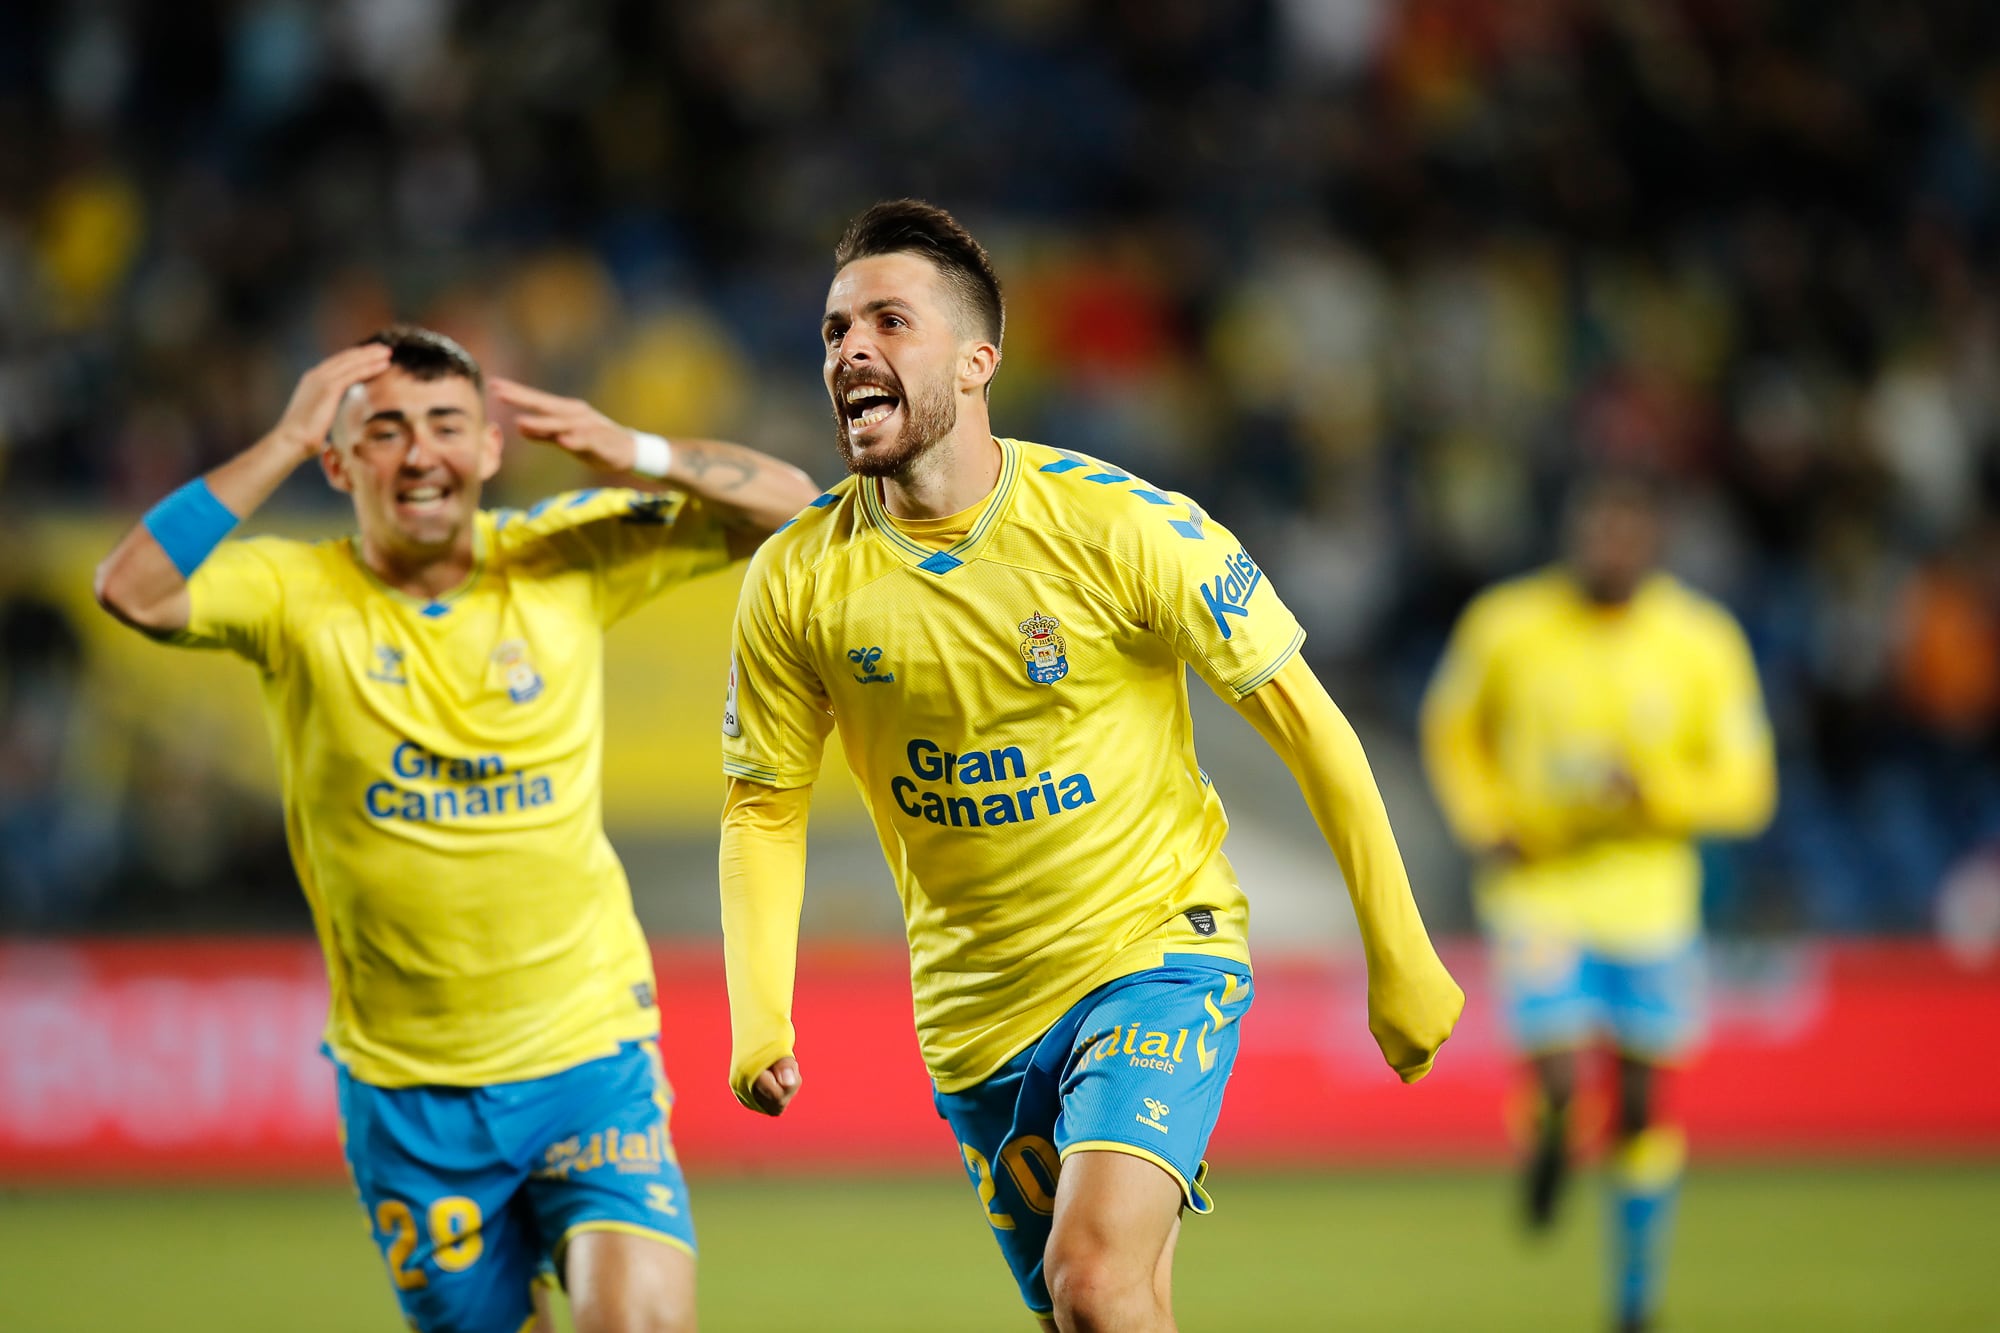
(434, 687)
(1587, 723)
(1000, 630)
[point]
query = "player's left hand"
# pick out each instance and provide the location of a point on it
(776, 1086)
(1412, 1008)
(570, 424)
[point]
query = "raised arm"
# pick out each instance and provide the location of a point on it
(755, 493)
(1413, 1003)
(143, 582)
(763, 865)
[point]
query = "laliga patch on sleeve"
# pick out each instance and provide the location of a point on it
(732, 727)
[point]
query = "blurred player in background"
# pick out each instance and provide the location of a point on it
(434, 688)
(1588, 722)
(1001, 631)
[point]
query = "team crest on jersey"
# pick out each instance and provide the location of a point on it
(517, 673)
(1043, 649)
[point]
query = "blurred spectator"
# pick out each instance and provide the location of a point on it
(56, 834)
(1948, 667)
(1369, 276)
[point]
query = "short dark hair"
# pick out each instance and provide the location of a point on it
(425, 354)
(911, 226)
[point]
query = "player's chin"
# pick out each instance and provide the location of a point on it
(430, 527)
(877, 439)
(877, 453)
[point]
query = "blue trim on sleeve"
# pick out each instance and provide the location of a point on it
(1062, 465)
(1186, 529)
(750, 771)
(826, 501)
(190, 524)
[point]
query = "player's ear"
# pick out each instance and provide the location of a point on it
(976, 366)
(490, 445)
(335, 467)
(346, 423)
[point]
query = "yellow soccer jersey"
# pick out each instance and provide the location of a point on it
(1543, 696)
(1014, 708)
(440, 766)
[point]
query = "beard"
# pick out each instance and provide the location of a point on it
(927, 418)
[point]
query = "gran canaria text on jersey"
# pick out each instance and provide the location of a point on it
(472, 788)
(931, 762)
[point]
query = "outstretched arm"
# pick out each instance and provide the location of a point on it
(1412, 1001)
(143, 581)
(763, 864)
(754, 492)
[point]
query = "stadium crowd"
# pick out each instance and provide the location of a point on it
(1372, 278)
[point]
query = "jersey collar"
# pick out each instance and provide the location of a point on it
(929, 559)
(431, 608)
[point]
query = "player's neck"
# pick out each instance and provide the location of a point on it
(424, 575)
(952, 476)
(1606, 598)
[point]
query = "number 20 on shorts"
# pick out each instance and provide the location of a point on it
(455, 1239)
(1031, 1163)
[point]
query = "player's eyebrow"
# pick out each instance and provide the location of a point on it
(881, 303)
(836, 318)
(397, 414)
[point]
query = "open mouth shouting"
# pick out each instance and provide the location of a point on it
(865, 406)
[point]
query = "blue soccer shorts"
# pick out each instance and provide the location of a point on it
(473, 1193)
(1561, 995)
(1137, 1066)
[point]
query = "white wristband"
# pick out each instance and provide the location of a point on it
(651, 455)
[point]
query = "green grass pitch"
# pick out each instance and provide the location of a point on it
(1765, 1249)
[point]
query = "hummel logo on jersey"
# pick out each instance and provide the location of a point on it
(388, 666)
(866, 658)
(1228, 593)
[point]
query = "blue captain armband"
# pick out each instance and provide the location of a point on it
(190, 524)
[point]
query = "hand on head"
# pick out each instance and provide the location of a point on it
(570, 424)
(316, 400)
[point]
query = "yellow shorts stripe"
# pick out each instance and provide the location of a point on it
(624, 1228)
(1132, 1150)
